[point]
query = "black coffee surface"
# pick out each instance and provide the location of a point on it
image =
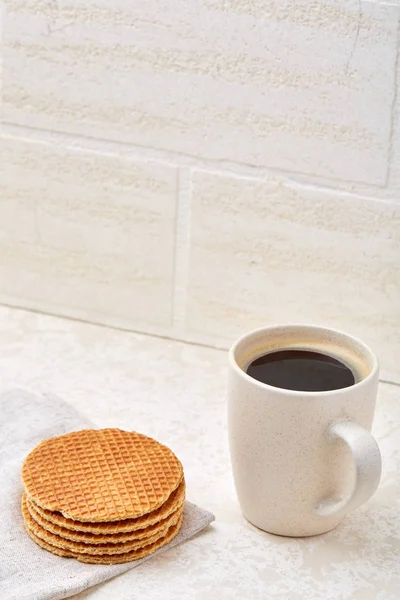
(301, 370)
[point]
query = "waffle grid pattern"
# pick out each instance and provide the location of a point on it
(158, 529)
(101, 475)
(93, 549)
(174, 502)
(107, 559)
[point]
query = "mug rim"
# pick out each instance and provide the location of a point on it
(311, 394)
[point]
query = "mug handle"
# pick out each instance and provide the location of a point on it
(368, 467)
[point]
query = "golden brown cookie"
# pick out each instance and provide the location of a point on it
(101, 475)
(113, 538)
(92, 549)
(174, 502)
(108, 559)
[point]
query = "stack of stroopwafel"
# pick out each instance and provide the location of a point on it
(102, 496)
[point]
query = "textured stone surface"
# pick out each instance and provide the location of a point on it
(115, 104)
(86, 234)
(299, 255)
(109, 376)
(295, 85)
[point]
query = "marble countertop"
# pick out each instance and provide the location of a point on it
(175, 392)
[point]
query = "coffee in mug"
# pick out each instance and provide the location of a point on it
(301, 401)
(302, 370)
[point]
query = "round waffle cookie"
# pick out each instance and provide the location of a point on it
(175, 501)
(159, 528)
(108, 559)
(93, 549)
(101, 475)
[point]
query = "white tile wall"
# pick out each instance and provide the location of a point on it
(300, 255)
(199, 168)
(86, 234)
(393, 184)
(295, 85)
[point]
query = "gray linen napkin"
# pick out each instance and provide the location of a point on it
(26, 571)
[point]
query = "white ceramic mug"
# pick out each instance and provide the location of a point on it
(302, 460)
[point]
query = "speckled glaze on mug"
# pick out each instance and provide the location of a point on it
(302, 460)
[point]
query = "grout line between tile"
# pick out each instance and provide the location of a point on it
(397, 384)
(393, 112)
(189, 161)
(180, 340)
(113, 327)
(182, 251)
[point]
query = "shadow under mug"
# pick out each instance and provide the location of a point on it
(302, 460)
